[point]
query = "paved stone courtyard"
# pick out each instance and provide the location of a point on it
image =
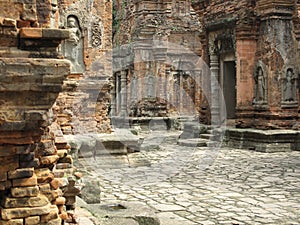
(188, 185)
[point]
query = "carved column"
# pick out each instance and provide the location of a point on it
(215, 101)
(123, 94)
(113, 98)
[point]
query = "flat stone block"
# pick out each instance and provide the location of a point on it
(60, 201)
(12, 222)
(27, 32)
(55, 33)
(7, 22)
(47, 160)
(262, 140)
(20, 192)
(50, 216)
(20, 173)
(9, 163)
(3, 177)
(53, 222)
(37, 201)
(44, 175)
(8, 214)
(5, 185)
(32, 220)
(7, 150)
(25, 182)
(168, 207)
(132, 211)
(193, 142)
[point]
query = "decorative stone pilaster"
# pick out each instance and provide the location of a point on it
(123, 112)
(113, 97)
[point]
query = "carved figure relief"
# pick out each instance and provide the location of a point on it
(289, 87)
(73, 47)
(151, 86)
(134, 88)
(260, 86)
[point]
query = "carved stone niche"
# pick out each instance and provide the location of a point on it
(289, 87)
(261, 86)
(72, 48)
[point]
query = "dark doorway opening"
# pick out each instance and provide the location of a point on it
(229, 88)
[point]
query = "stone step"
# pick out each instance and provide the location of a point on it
(207, 136)
(193, 142)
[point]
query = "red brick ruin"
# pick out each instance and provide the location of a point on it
(60, 74)
(54, 55)
(251, 48)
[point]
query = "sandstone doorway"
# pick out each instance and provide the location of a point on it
(229, 87)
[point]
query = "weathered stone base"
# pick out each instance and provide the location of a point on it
(152, 123)
(263, 140)
(121, 142)
(125, 213)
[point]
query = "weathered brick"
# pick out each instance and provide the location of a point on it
(47, 160)
(37, 201)
(66, 159)
(20, 173)
(9, 163)
(63, 166)
(44, 175)
(15, 213)
(19, 192)
(12, 222)
(5, 185)
(25, 182)
(9, 150)
(31, 32)
(32, 220)
(51, 216)
(3, 177)
(59, 201)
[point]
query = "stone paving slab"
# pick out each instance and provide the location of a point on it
(203, 185)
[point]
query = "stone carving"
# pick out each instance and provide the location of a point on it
(54, 9)
(260, 85)
(96, 39)
(73, 47)
(289, 89)
(151, 86)
(134, 88)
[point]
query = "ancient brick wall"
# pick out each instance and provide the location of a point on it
(33, 159)
(83, 106)
(157, 46)
(260, 37)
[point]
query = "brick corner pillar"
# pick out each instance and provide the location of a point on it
(276, 57)
(29, 88)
